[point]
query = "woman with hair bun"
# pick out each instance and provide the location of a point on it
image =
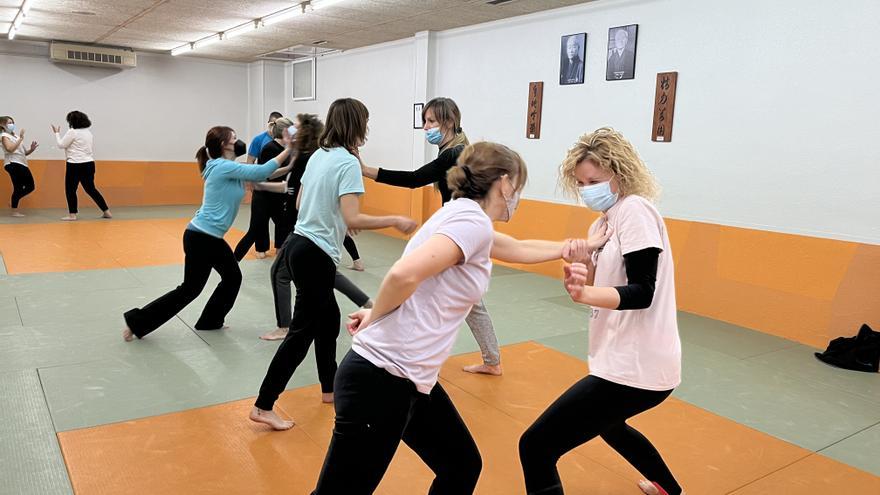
(387, 387)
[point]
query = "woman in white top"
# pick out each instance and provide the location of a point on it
(387, 386)
(15, 161)
(627, 277)
(77, 145)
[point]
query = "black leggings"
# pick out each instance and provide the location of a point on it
(82, 173)
(265, 206)
(351, 247)
(22, 181)
(592, 407)
(315, 318)
(374, 412)
(203, 252)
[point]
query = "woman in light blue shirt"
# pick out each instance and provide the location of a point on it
(203, 241)
(328, 206)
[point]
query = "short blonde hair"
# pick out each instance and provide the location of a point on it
(609, 150)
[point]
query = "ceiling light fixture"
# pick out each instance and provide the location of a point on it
(239, 30)
(182, 49)
(267, 20)
(19, 19)
(210, 40)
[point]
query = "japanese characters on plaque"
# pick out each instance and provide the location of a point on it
(533, 119)
(664, 106)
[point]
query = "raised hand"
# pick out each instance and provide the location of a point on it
(34, 146)
(55, 129)
(576, 251)
(575, 279)
(601, 235)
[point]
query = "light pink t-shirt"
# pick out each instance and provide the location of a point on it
(637, 348)
(414, 340)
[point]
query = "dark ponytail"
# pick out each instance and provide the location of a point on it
(213, 147)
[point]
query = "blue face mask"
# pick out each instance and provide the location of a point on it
(433, 135)
(10, 127)
(598, 197)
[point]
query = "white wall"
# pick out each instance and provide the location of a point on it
(159, 111)
(776, 118)
(382, 77)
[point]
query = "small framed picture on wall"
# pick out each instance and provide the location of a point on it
(571, 59)
(622, 53)
(417, 115)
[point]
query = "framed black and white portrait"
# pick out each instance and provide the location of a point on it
(571, 59)
(417, 115)
(621, 53)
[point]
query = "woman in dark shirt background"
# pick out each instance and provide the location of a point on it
(268, 203)
(443, 128)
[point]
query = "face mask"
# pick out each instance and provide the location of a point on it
(291, 131)
(512, 203)
(10, 127)
(598, 197)
(433, 135)
(240, 148)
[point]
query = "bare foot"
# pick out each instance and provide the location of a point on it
(107, 214)
(277, 334)
(357, 266)
(127, 335)
(649, 488)
(17, 214)
(484, 369)
(327, 398)
(261, 255)
(270, 418)
(69, 218)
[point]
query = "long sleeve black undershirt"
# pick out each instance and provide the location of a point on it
(430, 173)
(641, 276)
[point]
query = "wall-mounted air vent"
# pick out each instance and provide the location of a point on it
(94, 56)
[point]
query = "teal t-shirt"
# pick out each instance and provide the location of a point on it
(224, 188)
(330, 174)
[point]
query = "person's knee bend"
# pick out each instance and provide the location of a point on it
(530, 444)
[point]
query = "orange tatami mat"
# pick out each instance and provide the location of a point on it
(217, 450)
(91, 245)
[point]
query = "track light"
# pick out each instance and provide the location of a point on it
(282, 15)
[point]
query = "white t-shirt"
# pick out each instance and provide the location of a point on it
(18, 156)
(77, 145)
(637, 348)
(414, 340)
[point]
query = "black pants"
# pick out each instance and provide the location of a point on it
(315, 318)
(82, 173)
(592, 407)
(374, 412)
(351, 247)
(280, 278)
(203, 253)
(265, 206)
(22, 181)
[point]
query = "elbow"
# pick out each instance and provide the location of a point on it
(400, 277)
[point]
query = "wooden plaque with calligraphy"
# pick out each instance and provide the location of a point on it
(664, 107)
(533, 118)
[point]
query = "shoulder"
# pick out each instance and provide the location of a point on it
(466, 211)
(634, 206)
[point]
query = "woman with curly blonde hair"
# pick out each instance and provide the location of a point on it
(627, 277)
